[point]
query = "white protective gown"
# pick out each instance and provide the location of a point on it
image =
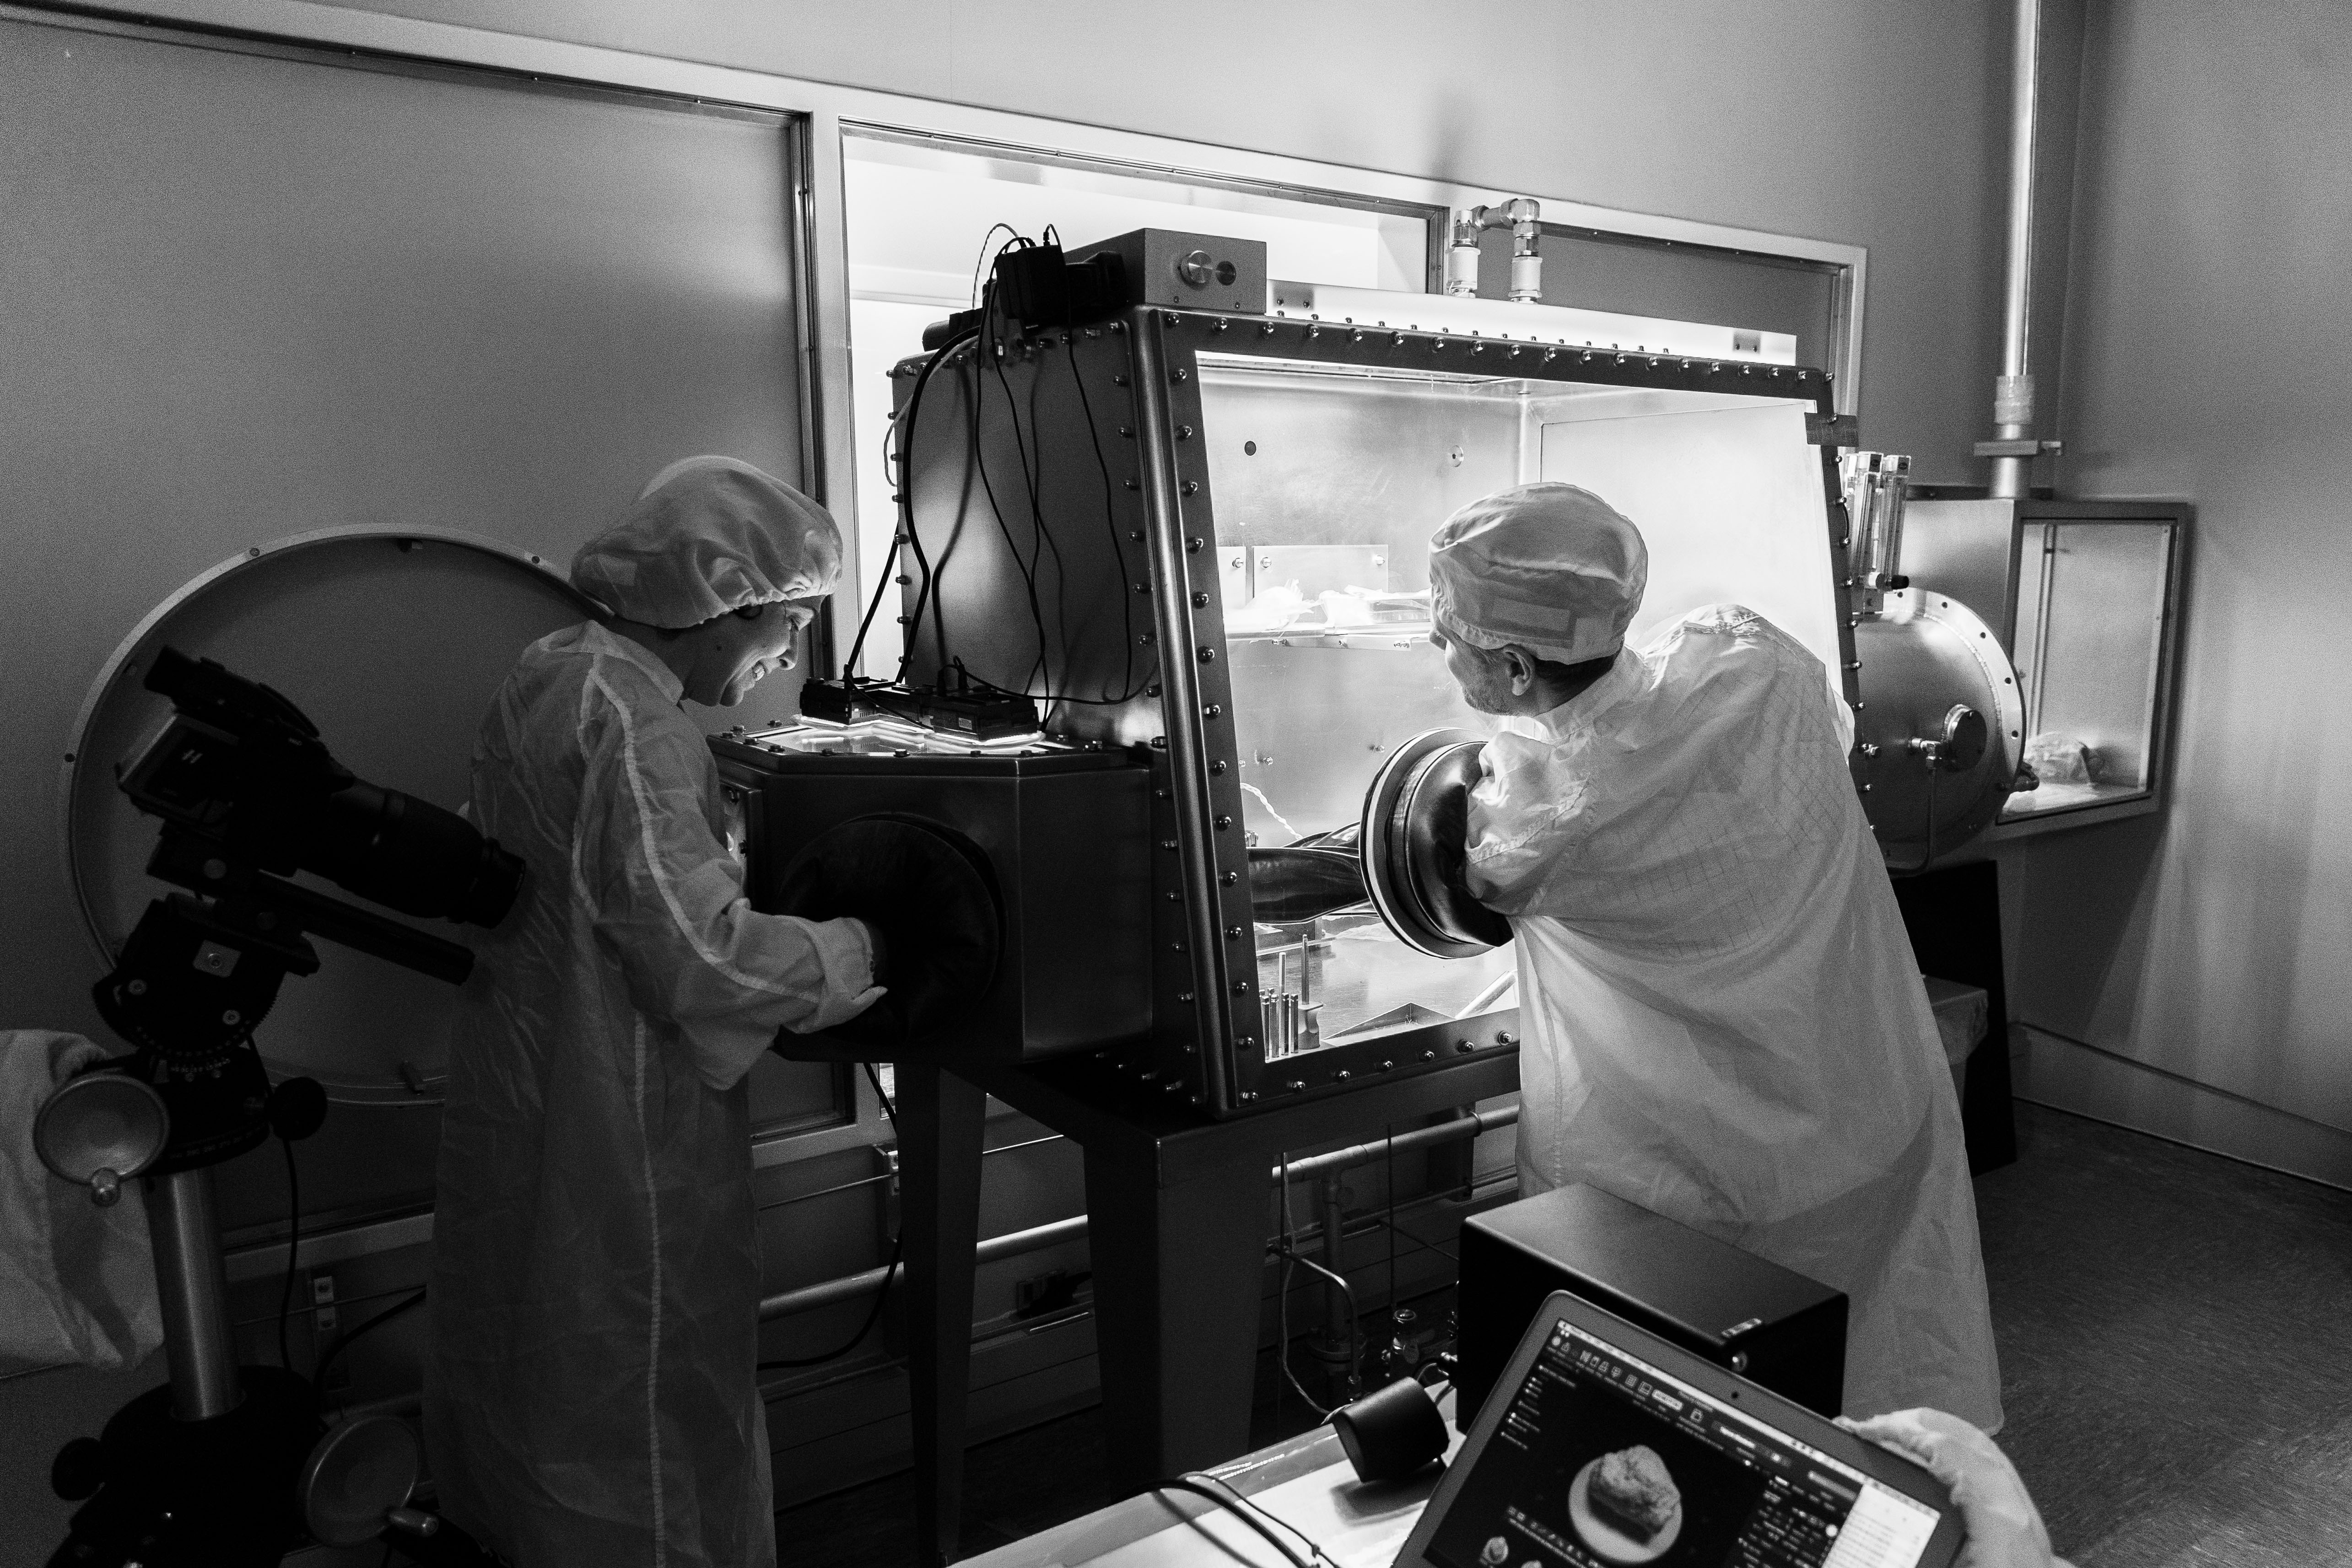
(1723, 1019)
(590, 1397)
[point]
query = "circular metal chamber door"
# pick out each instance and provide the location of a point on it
(1416, 830)
(1941, 707)
(392, 644)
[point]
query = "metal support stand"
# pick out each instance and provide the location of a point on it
(203, 1469)
(1178, 1216)
(1953, 915)
(192, 1285)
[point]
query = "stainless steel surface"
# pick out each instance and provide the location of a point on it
(1558, 326)
(392, 644)
(99, 1130)
(1926, 655)
(2085, 596)
(2091, 622)
(2013, 391)
(1201, 271)
(1968, 550)
(192, 1287)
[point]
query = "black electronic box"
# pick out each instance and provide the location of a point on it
(1769, 1324)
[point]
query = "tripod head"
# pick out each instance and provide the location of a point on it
(249, 795)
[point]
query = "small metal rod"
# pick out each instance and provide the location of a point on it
(1338, 1300)
(893, 1176)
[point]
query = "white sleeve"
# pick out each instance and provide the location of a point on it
(669, 904)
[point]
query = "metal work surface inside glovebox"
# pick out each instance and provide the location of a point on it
(1256, 497)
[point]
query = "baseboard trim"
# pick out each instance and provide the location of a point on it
(2083, 1080)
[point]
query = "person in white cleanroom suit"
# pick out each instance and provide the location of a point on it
(1723, 1020)
(590, 1396)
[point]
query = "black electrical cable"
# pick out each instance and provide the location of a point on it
(293, 1249)
(982, 264)
(1202, 1484)
(987, 346)
(981, 300)
(1029, 455)
(882, 1294)
(344, 1340)
(903, 433)
(1118, 550)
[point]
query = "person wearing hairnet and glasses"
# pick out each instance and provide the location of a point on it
(590, 1396)
(1723, 1020)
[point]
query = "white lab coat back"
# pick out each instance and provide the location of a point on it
(1723, 1020)
(590, 1397)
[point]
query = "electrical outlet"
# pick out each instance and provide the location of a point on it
(324, 1316)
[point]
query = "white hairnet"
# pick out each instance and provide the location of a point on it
(1550, 567)
(707, 536)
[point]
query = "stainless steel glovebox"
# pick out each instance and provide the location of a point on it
(1201, 540)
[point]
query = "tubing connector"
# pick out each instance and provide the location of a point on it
(2012, 399)
(1523, 216)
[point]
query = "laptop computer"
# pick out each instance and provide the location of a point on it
(1603, 1446)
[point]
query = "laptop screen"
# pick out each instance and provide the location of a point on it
(1604, 1461)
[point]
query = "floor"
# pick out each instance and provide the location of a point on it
(2175, 1334)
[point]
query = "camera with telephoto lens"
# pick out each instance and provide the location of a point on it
(241, 767)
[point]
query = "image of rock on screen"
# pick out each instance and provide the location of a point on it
(1604, 1461)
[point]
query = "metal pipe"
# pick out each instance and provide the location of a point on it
(850, 1287)
(192, 1285)
(2012, 397)
(1338, 1305)
(1523, 216)
(1315, 1167)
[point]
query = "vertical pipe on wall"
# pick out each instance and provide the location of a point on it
(2013, 396)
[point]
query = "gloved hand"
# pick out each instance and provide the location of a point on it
(2004, 1528)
